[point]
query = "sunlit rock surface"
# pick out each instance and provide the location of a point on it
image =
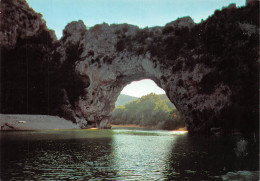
(208, 70)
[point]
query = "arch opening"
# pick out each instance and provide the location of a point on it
(144, 104)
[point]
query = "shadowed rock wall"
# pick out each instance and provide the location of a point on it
(208, 70)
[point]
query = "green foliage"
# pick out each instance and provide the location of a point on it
(151, 110)
(173, 122)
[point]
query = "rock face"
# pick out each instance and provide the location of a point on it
(248, 2)
(204, 68)
(23, 20)
(26, 48)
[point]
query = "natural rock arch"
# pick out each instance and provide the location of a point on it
(108, 65)
(208, 70)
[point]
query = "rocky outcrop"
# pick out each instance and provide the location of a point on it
(23, 20)
(204, 68)
(182, 58)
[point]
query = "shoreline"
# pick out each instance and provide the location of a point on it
(24, 122)
(138, 126)
(126, 126)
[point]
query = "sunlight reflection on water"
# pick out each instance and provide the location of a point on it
(118, 154)
(135, 156)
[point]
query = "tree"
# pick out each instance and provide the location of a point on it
(151, 110)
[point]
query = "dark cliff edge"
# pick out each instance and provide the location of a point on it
(210, 70)
(26, 46)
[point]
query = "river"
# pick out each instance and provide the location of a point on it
(121, 154)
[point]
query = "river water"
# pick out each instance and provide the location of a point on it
(122, 154)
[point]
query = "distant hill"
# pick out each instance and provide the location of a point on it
(123, 99)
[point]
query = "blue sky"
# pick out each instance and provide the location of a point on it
(58, 13)
(143, 13)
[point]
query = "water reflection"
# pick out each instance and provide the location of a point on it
(122, 154)
(141, 155)
(54, 156)
(201, 158)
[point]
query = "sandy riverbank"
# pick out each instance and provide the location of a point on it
(41, 122)
(34, 122)
(126, 126)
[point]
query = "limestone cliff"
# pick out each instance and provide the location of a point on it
(208, 70)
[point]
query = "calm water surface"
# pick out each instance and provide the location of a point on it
(121, 154)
